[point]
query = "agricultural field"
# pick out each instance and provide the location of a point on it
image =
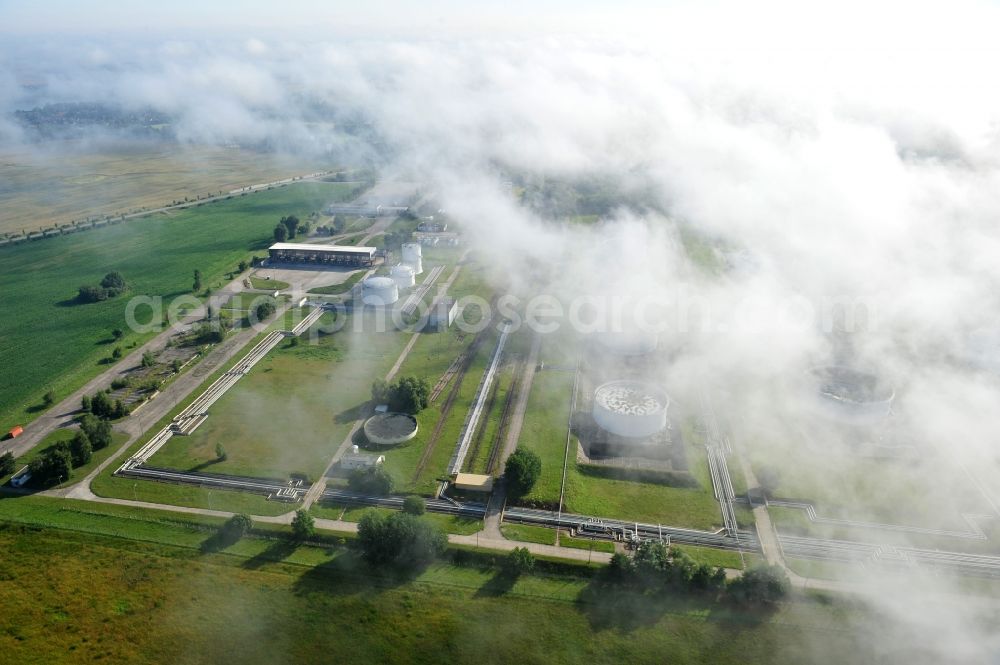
(587, 492)
(293, 410)
(61, 182)
(52, 342)
(152, 596)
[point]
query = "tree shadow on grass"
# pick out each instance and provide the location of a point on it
(352, 414)
(276, 552)
(218, 541)
(348, 573)
(609, 606)
(498, 585)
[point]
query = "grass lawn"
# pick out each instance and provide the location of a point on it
(93, 596)
(292, 411)
(107, 485)
(544, 431)
(529, 534)
(462, 526)
(429, 358)
(51, 342)
(566, 540)
(59, 435)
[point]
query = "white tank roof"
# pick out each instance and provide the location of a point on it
(378, 282)
(630, 408)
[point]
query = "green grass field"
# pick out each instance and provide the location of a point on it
(462, 526)
(544, 431)
(124, 586)
(293, 410)
(50, 342)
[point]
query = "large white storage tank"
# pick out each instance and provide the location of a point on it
(630, 408)
(403, 275)
(852, 395)
(628, 343)
(379, 291)
(413, 256)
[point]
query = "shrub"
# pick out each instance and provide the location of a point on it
(373, 480)
(414, 505)
(264, 311)
(399, 538)
(762, 584)
(519, 561)
(522, 471)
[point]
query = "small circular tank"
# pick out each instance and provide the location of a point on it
(630, 408)
(379, 291)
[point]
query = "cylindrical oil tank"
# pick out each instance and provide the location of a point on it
(630, 408)
(852, 395)
(379, 291)
(413, 256)
(403, 276)
(628, 342)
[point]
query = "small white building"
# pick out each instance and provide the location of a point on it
(356, 459)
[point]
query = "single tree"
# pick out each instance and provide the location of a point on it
(236, 527)
(519, 561)
(48, 398)
(113, 283)
(80, 449)
(101, 405)
(409, 394)
(303, 526)
(220, 453)
(414, 505)
(148, 359)
(117, 333)
(280, 233)
(117, 353)
(197, 281)
(85, 403)
(522, 471)
(264, 310)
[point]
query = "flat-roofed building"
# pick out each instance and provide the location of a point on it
(292, 252)
(473, 482)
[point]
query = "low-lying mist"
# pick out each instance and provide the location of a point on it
(781, 209)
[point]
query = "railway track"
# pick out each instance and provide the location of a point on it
(477, 440)
(449, 401)
(448, 375)
(508, 407)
